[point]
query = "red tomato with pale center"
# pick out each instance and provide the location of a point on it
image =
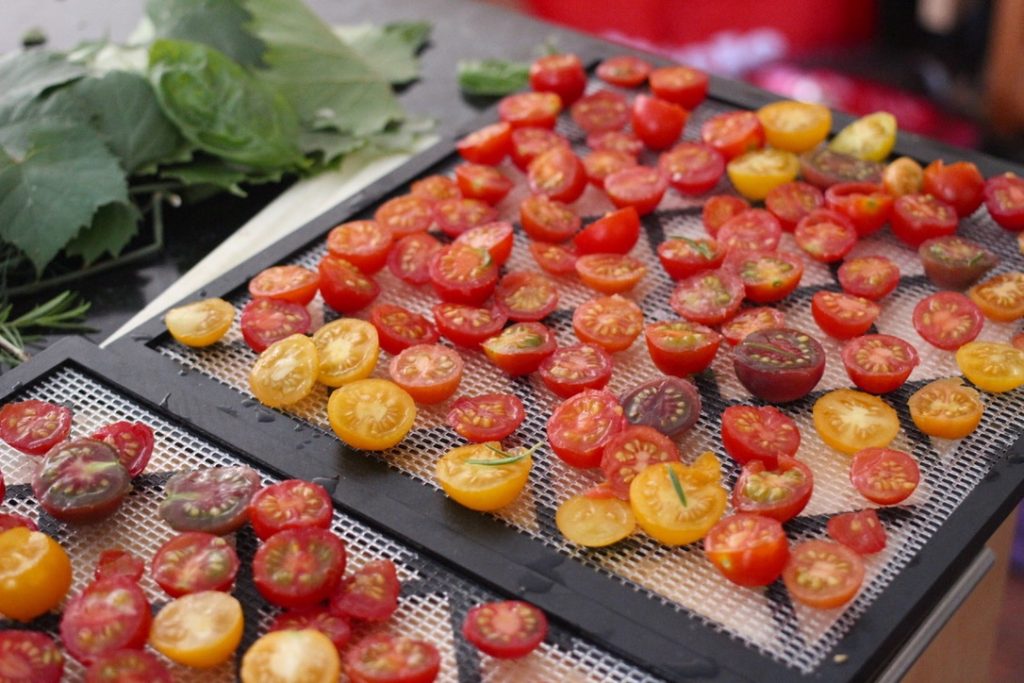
(133, 442)
(692, 168)
(336, 628)
(195, 561)
(530, 142)
(369, 594)
(708, 298)
(30, 657)
(611, 322)
(561, 74)
(520, 349)
(456, 216)
(959, 184)
(879, 363)
(600, 111)
(823, 574)
(364, 244)
(919, 217)
(866, 205)
(409, 258)
(753, 229)
(768, 276)
(344, 287)
(860, 531)
(680, 347)
(630, 452)
(791, 202)
(490, 417)
(825, 235)
(571, 369)
(525, 296)
(399, 328)
(614, 233)
(656, 122)
(763, 434)
(299, 567)
(749, 550)
(9, 520)
(555, 259)
(432, 188)
(34, 427)
(682, 85)
(265, 321)
(125, 666)
(506, 630)
(557, 174)
(530, 109)
(548, 220)
(884, 475)
(610, 273)
(625, 71)
(496, 238)
(871, 277)
(948, 320)
(733, 133)
(682, 257)
(617, 141)
(602, 163)
(751, 320)
(488, 145)
(461, 274)
(289, 283)
(468, 325)
(581, 426)
(382, 658)
(413, 213)
(1004, 199)
(108, 615)
(719, 209)
(430, 373)
(116, 563)
(289, 504)
(780, 493)
(843, 316)
(486, 183)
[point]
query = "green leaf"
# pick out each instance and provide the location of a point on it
(209, 172)
(326, 81)
(492, 77)
(113, 227)
(220, 24)
(125, 110)
(391, 51)
(24, 75)
(49, 193)
(329, 144)
(221, 108)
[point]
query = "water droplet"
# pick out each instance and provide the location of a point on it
(228, 411)
(264, 417)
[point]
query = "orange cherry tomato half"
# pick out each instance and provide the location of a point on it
(823, 574)
(946, 408)
(1000, 298)
(412, 213)
(611, 322)
(364, 244)
(488, 145)
(610, 273)
(289, 283)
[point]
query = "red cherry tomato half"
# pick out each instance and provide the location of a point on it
(871, 277)
(115, 562)
(749, 550)
(843, 316)
(616, 141)
(520, 349)
(468, 325)
(792, 201)
(780, 493)
(490, 417)
(399, 328)
(866, 205)
(719, 209)
(754, 229)
(668, 404)
(884, 475)
(768, 276)
(571, 369)
(194, 562)
(9, 520)
(34, 427)
(600, 111)
(557, 174)
(30, 657)
(336, 628)
(265, 321)
(779, 365)
(625, 71)
(611, 322)
(682, 257)
(680, 347)
(486, 183)
(81, 480)
(823, 574)
(763, 434)
(640, 187)
(344, 287)
(108, 615)
(461, 274)
(879, 363)
(602, 163)
(1004, 199)
(555, 259)
(656, 122)
(954, 262)
(456, 216)
(488, 145)
(708, 298)
(214, 499)
(614, 233)
(948, 320)
(530, 109)
(370, 593)
(430, 373)
(413, 213)
(610, 273)
(127, 666)
(530, 142)
(918, 217)
(409, 258)
(382, 658)
(288, 283)
(860, 531)
(497, 238)
(526, 296)
(959, 184)
(546, 220)
(133, 442)
(299, 567)
(581, 426)
(561, 74)
(752, 320)
(733, 133)
(630, 451)
(289, 504)
(682, 85)
(364, 244)
(692, 168)
(825, 235)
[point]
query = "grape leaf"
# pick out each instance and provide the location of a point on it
(113, 227)
(49, 193)
(216, 173)
(219, 24)
(24, 75)
(326, 81)
(391, 51)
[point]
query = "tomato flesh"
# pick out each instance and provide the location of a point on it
(430, 373)
(884, 475)
(344, 287)
(751, 320)
(919, 217)
(611, 322)
(780, 493)
(656, 122)
(489, 417)
(792, 202)
(399, 328)
(779, 365)
(571, 369)
(561, 74)
(195, 561)
(866, 205)
(768, 276)
(299, 567)
(959, 184)
(879, 363)
(289, 504)
(525, 296)
(108, 615)
(487, 145)
(1004, 199)
(287, 283)
(682, 257)
(843, 316)
(947, 320)
(749, 550)
(600, 111)
(692, 168)
(557, 174)
(719, 209)
(680, 347)
(81, 480)
(506, 630)
(708, 298)
(860, 531)
(733, 134)
(759, 433)
(631, 451)
(668, 404)
(825, 235)
(547, 220)
(520, 349)
(954, 262)
(29, 657)
(214, 500)
(34, 427)
(413, 213)
(382, 658)
(823, 574)
(581, 426)
(462, 274)
(625, 71)
(369, 594)
(364, 244)
(265, 321)
(468, 325)
(409, 258)
(870, 277)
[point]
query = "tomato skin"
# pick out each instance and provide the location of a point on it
(708, 298)
(692, 168)
(487, 145)
(81, 480)
(792, 201)
(472, 478)
(733, 133)
(870, 277)
(430, 373)
(214, 500)
(866, 205)
(795, 126)
(336, 628)
(557, 174)
(485, 183)
(489, 417)
(580, 427)
(561, 74)
(682, 85)
(265, 321)
(364, 244)
(506, 630)
(946, 408)
(571, 369)
(630, 452)
(918, 217)
(765, 434)
(34, 427)
(884, 475)
(682, 257)
(719, 209)
(947, 320)
(468, 326)
(768, 276)
(668, 404)
(530, 109)
(610, 273)
(344, 287)
(879, 363)
(520, 349)
(860, 531)
(600, 111)
(1000, 298)
(289, 504)
(809, 560)
(681, 348)
(641, 187)
(843, 316)
(611, 322)
(953, 262)
(38, 584)
(409, 258)
(287, 283)
(749, 550)
(9, 520)
(108, 615)
(526, 296)
(1004, 199)
(751, 320)
(317, 555)
(616, 232)
(959, 184)
(625, 71)
(195, 561)
(370, 593)
(382, 658)
(461, 274)
(530, 142)
(657, 122)
(825, 235)
(779, 365)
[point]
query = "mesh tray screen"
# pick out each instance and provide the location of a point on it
(433, 602)
(764, 619)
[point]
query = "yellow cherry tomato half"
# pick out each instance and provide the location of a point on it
(200, 630)
(305, 656)
(1000, 298)
(946, 408)
(850, 421)
(200, 323)
(870, 137)
(757, 173)
(371, 414)
(795, 126)
(595, 521)
(285, 372)
(35, 574)
(903, 176)
(347, 350)
(677, 504)
(991, 366)
(482, 477)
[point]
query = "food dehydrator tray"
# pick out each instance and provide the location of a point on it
(695, 624)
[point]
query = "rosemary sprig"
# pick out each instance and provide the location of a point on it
(508, 458)
(63, 312)
(677, 486)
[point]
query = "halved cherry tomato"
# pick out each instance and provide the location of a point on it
(9, 520)
(461, 274)
(768, 276)
(483, 477)
(719, 209)
(347, 350)
(614, 233)
(546, 220)
(530, 109)
(382, 658)
(371, 414)
(682, 85)
(556, 259)
(733, 133)
(116, 563)
(640, 187)
(765, 434)
(749, 550)
(630, 452)
(497, 238)
(779, 365)
(487, 145)
(580, 427)
(843, 316)
(903, 176)
(530, 142)
(108, 615)
(520, 349)
(825, 235)
(991, 366)
(285, 372)
(754, 229)
(946, 408)
(490, 417)
(795, 126)
(602, 163)
(708, 298)
(918, 217)
(954, 262)
(610, 273)
(571, 369)
(337, 629)
(757, 173)
(506, 630)
(81, 480)
(33, 426)
(299, 567)
(823, 574)
(595, 519)
(214, 499)
(617, 141)
(409, 258)
(195, 561)
(1004, 199)
(751, 320)
(200, 630)
(611, 322)
(860, 531)
(289, 504)
(849, 420)
(682, 257)
(127, 666)
(692, 168)
(678, 504)
(959, 184)
(600, 111)
(625, 71)
(364, 244)
(456, 216)
(823, 167)
(561, 74)
(1000, 298)
(467, 325)
(526, 296)
(866, 205)
(668, 404)
(557, 174)
(265, 321)
(657, 122)
(870, 277)
(791, 202)
(486, 183)
(32, 657)
(370, 593)
(409, 214)
(430, 373)
(870, 137)
(35, 574)
(947, 320)
(879, 363)
(884, 475)
(200, 323)
(344, 287)
(292, 656)
(288, 283)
